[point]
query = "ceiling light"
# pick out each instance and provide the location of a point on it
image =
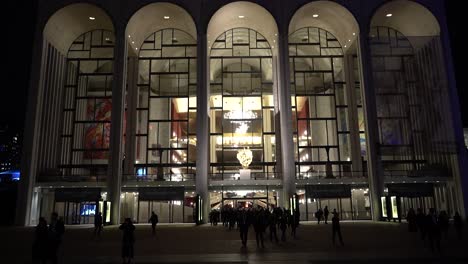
(133, 42)
(136, 48)
(349, 40)
(167, 17)
(345, 46)
(241, 16)
(128, 35)
(354, 34)
(389, 15)
(92, 18)
(315, 15)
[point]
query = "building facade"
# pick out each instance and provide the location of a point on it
(184, 106)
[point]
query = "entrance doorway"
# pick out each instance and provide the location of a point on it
(245, 202)
(76, 213)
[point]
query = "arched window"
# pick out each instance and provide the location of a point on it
(241, 104)
(320, 104)
(166, 106)
(87, 105)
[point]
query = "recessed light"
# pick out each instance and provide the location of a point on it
(136, 48)
(345, 46)
(92, 18)
(133, 42)
(128, 35)
(349, 40)
(354, 34)
(241, 16)
(389, 15)
(315, 15)
(167, 17)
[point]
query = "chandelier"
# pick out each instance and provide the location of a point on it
(238, 117)
(245, 157)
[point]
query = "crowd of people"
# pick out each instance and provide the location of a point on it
(433, 226)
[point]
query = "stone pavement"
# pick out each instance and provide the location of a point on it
(365, 242)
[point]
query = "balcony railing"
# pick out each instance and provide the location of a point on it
(237, 176)
(169, 177)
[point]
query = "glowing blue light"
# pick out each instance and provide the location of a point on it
(141, 172)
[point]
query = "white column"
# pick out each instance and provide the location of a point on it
(31, 131)
(353, 119)
(285, 111)
(374, 167)
(132, 97)
(114, 178)
(203, 121)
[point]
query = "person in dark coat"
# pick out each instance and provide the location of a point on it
(154, 221)
(336, 229)
(55, 233)
(259, 226)
(128, 240)
(244, 223)
(325, 214)
(98, 224)
(444, 223)
(283, 225)
(41, 235)
(458, 223)
(433, 229)
(319, 215)
(411, 218)
(272, 223)
(421, 223)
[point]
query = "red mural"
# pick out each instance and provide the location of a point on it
(97, 136)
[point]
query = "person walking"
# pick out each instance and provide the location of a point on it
(244, 223)
(458, 223)
(283, 225)
(272, 222)
(154, 221)
(433, 230)
(98, 225)
(319, 215)
(411, 218)
(325, 214)
(259, 226)
(55, 233)
(336, 229)
(128, 240)
(40, 243)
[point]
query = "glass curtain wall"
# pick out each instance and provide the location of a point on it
(241, 105)
(87, 106)
(166, 107)
(319, 104)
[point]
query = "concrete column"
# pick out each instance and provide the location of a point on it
(353, 120)
(461, 160)
(114, 178)
(132, 101)
(284, 106)
(203, 121)
(31, 129)
(374, 167)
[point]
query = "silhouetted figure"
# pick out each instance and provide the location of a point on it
(411, 218)
(336, 229)
(98, 224)
(444, 223)
(41, 235)
(421, 223)
(325, 214)
(319, 215)
(154, 221)
(433, 230)
(56, 230)
(272, 222)
(293, 224)
(128, 240)
(283, 225)
(244, 223)
(259, 226)
(458, 223)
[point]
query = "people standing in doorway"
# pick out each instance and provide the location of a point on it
(336, 229)
(128, 240)
(154, 221)
(272, 223)
(56, 231)
(283, 224)
(458, 223)
(325, 214)
(259, 226)
(98, 225)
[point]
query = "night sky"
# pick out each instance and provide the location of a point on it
(19, 16)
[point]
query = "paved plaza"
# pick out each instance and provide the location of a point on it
(365, 242)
